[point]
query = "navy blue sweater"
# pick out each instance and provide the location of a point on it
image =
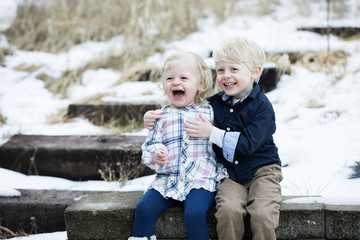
(254, 118)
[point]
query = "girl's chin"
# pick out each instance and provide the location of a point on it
(180, 105)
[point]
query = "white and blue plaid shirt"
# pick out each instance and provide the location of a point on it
(192, 160)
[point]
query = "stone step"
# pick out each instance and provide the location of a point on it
(343, 32)
(38, 211)
(74, 157)
(110, 216)
(116, 114)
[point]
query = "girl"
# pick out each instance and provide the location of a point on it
(187, 172)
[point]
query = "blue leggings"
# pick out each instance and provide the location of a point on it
(196, 206)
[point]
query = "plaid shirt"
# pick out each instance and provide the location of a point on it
(192, 160)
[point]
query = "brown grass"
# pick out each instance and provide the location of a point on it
(2, 120)
(2, 57)
(58, 25)
(141, 72)
(6, 233)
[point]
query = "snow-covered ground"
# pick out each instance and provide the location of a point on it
(318, 116)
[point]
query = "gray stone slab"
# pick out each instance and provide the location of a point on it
(342, 221)
(111, 216)
(38, 211)
(343, 32)
(301, 221)
(73, 157)
(107, 216)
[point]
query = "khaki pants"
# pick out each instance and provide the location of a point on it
(259, 198)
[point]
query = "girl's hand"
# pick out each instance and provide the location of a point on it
(200, 129)
(160, 158)
(149, 119)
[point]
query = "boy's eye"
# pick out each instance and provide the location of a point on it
(234, 69)
(169, 79)
(183, 78)
(219, 70)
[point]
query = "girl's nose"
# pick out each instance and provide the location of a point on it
(176, 81)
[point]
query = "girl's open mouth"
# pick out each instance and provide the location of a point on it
(178, 94)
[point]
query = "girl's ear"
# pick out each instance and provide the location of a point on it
(256, 73)
(202, 85)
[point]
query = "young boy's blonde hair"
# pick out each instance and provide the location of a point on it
(240, 49)
(204, 72)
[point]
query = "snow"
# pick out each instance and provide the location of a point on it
(7, 13)
(318, 130)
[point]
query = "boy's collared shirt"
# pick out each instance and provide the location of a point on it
(248, 143)
(225, 141)
(192, 160)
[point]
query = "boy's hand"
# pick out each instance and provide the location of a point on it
(149, 119)
(160, 158)
(200, 129)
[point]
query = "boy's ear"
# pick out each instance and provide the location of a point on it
(256, 73)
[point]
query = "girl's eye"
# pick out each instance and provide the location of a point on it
(234, 69)
(183, 78)
(169, 79)
(219, 70)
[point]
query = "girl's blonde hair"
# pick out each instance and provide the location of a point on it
(204, 72)
(240, 49)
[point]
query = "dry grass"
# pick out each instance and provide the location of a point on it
(326, 60)
(58, 25)
(3, 53)
(2, 120)
(2, 57)
(123, 170)
(314, 61)
(141, 72)
(6, 233)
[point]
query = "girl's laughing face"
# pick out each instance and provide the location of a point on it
(182, 83)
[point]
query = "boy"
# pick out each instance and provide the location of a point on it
(242, 136)
(243, 142)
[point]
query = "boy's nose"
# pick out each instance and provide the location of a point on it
(227, 75)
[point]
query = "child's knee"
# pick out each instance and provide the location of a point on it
(143, 208)
(266, 216)
(228, 209)
(194, 214)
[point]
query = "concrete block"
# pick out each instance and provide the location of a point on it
(342, 32)
(38, 211)
(107, 216)
(342, 222)
(111, 216)
(73, 157)
(301, 221)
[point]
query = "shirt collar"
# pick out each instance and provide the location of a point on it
(251, 94)
(187, 108)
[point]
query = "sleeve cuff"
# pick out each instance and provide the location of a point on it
(217, 136)
(229, 145)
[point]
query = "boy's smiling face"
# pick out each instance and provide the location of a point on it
(182, 83)
(235, 79)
